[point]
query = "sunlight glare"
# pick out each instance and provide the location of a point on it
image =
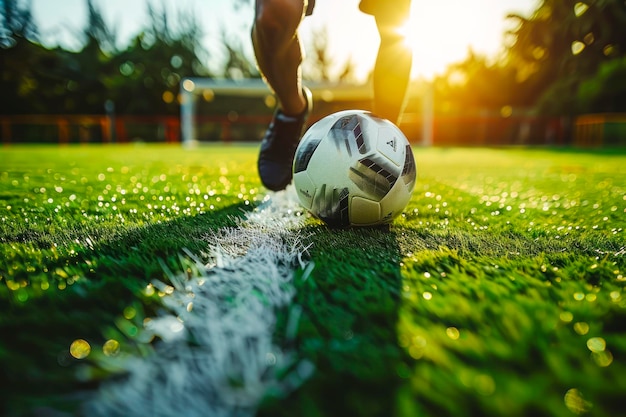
(441, 33)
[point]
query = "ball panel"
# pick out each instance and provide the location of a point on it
(347, 133)
(391, 145)
(323, 166)
(331, 205)
(305, 188)
(364, 212)
(305, 151)
(359, 138)
(409, 169)
(395, 201)
(373, 177)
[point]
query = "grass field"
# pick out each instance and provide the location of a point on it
(498, 292)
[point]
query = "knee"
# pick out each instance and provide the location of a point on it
(390, 33)
(278, 18)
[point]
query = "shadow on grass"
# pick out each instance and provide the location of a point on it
(349, 325)
(89, 288)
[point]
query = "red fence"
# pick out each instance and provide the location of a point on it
(588, 130)
(607, 129)
(488, 130)
(66, 129)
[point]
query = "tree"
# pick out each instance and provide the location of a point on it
(16, 22)
(561, 45)
(606, 90)
(98, 32)
(319, 64)
(237, 64)
(477, 84)
(141, 79)
(145, 77)
(20, 57)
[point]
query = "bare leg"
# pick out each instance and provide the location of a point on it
(391, 72)
(279, 55)
(278, 50)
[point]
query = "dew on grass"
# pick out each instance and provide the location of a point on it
(591, 297)
(566, 317)
(603, 358)
(12, 285)
(111, 348)
(596, 344)
(581, 328)
(149, 290)
(419, 341)
(80, 349)
(416, 352)
(129, 313)
(575, 402)
(453, 333)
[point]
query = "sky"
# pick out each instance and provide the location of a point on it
(442, 31)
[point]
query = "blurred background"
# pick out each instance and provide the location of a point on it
(485, 72)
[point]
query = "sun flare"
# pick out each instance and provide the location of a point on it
(439, 33)
(442, 33)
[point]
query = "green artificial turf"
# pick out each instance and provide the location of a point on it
(499, 291)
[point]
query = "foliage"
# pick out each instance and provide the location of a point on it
(605, 91)
(547, 58)
(143, 78)
(238, 65)
(499, 291)
(476, 84)
(16, 21)
(563, 44)
(319, 66)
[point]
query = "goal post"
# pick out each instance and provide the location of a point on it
(197, 90)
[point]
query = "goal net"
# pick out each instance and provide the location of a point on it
(214, 110)
(219, 110)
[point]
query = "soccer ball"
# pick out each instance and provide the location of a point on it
(353, 168)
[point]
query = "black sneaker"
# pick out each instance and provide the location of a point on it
(279, 146)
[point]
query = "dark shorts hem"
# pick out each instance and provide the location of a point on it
(392, 12)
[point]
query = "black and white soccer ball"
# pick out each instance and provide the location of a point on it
(353, 168)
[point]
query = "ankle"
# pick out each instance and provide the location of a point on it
(295, 108)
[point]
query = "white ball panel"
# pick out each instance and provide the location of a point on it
(391, 144)
(364, 212)
(305, 189)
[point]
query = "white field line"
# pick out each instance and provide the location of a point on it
(227, 309)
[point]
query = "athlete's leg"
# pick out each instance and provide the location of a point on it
(392, 69)
(391, 75)
(279, 55)
(278, 50)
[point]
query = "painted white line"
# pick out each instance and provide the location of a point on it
(218, 356)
